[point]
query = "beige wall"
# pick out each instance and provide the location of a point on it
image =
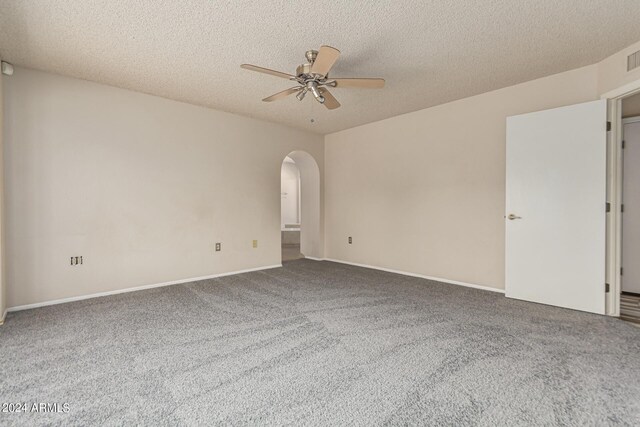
(631, 106)
(3, 287)
(612, 72)
(142, 187)
(425, 192)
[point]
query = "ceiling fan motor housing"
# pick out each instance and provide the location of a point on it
(308, 80)
(303, 69)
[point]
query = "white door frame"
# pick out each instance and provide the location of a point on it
(626, 121)
(614, 194)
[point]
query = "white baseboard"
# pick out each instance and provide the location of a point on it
(421, 276)
(137, 288)
(231, 273)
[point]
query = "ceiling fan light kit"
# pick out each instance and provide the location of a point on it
(313, 77)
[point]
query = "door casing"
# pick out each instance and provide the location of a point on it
(614, 194)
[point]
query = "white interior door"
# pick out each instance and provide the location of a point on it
(556, 197)
(631, 200)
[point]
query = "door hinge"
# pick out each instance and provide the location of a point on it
(622, 208)
(621, 270)
(608, 126)
(606, 288)
(623, 144)
(608, 207)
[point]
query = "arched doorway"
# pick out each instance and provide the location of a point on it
(300, 207)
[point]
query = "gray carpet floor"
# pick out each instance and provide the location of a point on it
(319, 343)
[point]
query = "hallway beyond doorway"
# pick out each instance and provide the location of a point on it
(291, 252)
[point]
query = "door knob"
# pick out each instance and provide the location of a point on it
(512, 217)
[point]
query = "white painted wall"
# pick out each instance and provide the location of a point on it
(290, 193)
(142, 187)
(425, 192)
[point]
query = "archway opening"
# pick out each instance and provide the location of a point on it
(300, 207)
(290, 210)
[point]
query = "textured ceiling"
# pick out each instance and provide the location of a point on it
(429, 51)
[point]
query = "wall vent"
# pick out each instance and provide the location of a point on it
(633, 61)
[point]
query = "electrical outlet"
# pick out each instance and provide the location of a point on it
(255, 243)
(350, 240)
(218, 247)
(77, 260)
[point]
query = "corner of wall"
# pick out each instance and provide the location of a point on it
(612, 71)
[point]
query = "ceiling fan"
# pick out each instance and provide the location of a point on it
(313, 77)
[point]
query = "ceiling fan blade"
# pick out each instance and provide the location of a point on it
(329, 101)
(282, 94)
(267, 71)
(327, 56)
(360, 83)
